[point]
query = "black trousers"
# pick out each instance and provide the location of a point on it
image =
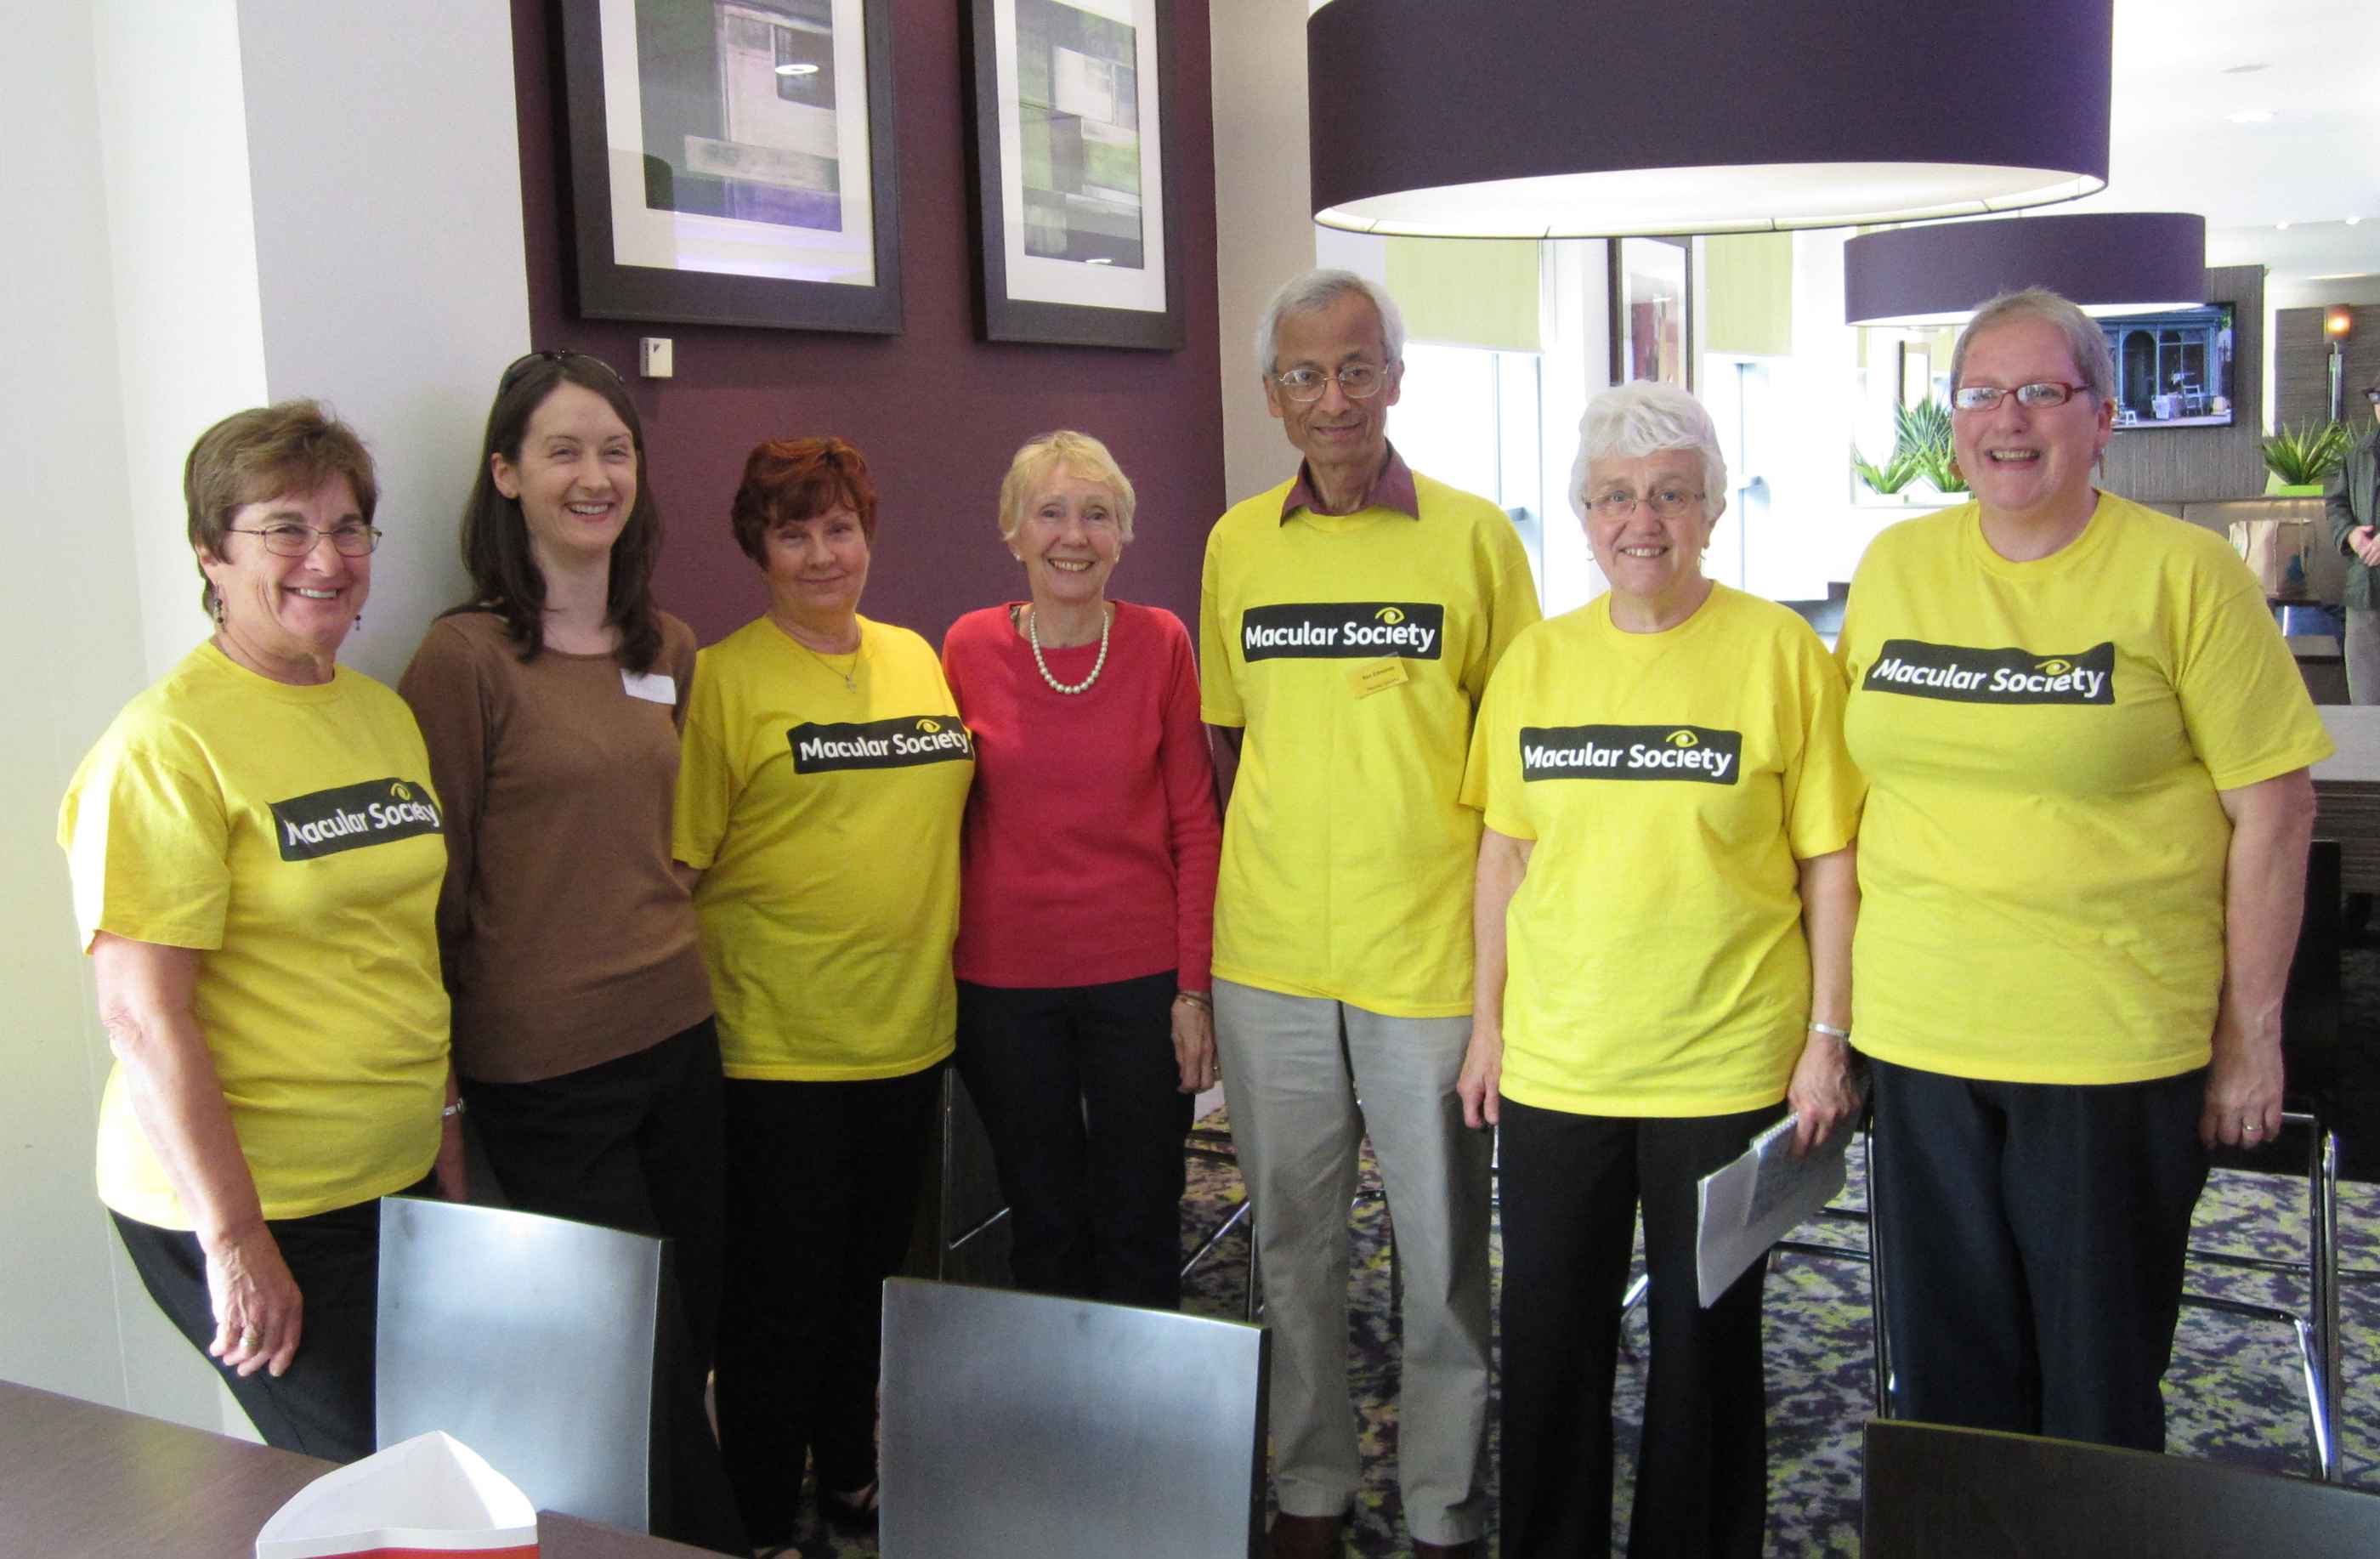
(635, 1143)
(1081, 1096)
(822, 1181)
(1570, 1187)
(2032, 1236)
(322, 1406)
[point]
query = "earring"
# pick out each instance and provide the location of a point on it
(359, 619)
(216, 605)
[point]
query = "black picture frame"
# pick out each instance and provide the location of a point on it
(1002, 314)
(607, 290)
(1626, 358)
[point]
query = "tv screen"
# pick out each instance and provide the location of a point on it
(2173, 370)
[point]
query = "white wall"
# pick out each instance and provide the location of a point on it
(241, 199)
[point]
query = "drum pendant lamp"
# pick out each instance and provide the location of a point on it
(1588, 118)
(2111, 262)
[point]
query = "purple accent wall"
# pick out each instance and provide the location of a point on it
(937, 412)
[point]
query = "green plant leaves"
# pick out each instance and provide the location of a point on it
(2301, 457)
(1921, 447)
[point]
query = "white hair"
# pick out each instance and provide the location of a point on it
(1316, 290)
(2085, 342)
(1632, 421)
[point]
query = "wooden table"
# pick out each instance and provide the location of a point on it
(78, 1479)
(2346, 793)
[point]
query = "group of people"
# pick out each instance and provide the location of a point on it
(1628, 886)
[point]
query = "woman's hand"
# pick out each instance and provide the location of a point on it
(1483, 1074)
(1194, 1046)
(2366, 544)
(260, 1315)
(1820, 1095)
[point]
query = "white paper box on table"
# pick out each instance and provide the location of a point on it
(429, 1495)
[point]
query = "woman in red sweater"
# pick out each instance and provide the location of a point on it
(1087, 890)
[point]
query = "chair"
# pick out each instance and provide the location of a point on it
(1019, 1425)
(532, 1340)
(1968, 1493)
(1213, 1145)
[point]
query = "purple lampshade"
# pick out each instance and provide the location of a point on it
(2114, 263)
(1583, 118)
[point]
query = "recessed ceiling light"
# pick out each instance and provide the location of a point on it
(2282, 227)
(2244, 69)
(803, 67)
(2250, 116)
(2353, 220)
(1100, 260)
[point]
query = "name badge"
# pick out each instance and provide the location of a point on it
(1374, 676)
(654, 686)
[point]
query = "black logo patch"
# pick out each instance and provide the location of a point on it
(374, 812)
(1344, 630)
(1962, 675)
(901, 743)
(1631, 752)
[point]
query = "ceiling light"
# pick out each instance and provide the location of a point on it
(2114, 263)
(2281, 226)
(2250, 116)
(1545, 119)
(2244, 69)
(2353, 220)
(797, 68)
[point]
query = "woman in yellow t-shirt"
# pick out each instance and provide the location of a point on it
(256, 852)
(824, 775)
(2082, 870)
(1663, 919)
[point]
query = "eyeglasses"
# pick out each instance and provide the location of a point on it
(289, 539)
(2032, 397)
(526, 361)
(1665, 502)
(1359, 381)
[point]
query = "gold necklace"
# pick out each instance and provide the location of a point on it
(849, 674)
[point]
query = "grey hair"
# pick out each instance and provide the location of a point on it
(1316, 290)
(2085, 342)
(1629, 422)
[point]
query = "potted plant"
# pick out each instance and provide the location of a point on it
(1921, 447)
(2300, 458)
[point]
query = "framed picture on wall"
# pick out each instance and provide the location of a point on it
(1916, 373)
(1652, 299)
(732, 161)
(1072, 193)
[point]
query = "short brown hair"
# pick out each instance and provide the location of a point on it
(791, 479)
(1070, 450)
(291, 447)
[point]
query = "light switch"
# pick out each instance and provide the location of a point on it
(655, 358)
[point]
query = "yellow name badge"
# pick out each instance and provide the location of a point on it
(1375, 676)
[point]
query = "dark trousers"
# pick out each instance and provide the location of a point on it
(1082, 1098)
(635, 1143)
(822, 1181)
(2032, 1236)
(322, 1404)
(1570, 1185)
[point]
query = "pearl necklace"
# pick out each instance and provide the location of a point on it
(1033, 636)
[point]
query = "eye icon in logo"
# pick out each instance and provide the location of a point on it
(400, 790)
(1683, 739)
(925, 725)
(2055, 666)
(1389, 615)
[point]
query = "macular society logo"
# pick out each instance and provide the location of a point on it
(1631, 752)
(1344, 630)
(2005, 676)
(899, 743)
(374, 812)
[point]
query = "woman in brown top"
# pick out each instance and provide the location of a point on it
(552, 703)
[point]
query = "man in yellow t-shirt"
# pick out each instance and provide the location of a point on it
(1349, 621)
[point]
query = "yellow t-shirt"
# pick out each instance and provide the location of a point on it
(289, 834)
(1670, 781)
(1354, 648)
(825, 821)
(2042, 862)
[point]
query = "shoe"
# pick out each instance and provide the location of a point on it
(1309, 1537)
(1474, 1548)
(854, 1514)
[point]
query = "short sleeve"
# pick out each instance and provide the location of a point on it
(1491, 774)
(148, 847)
(1219, 692)
(2245, 706)
(705, 780)
(1823, 788)
(1511, 597)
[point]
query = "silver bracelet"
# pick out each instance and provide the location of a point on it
(451, 1111)
(1829, 1031)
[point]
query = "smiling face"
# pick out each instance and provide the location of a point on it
(1335, 432)
(1654, 561)
(817, 568)
(2029, 463)
(1069, 539)
(285, 617)
(576, 481)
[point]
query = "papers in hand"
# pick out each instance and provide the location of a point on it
(1745, 1207)
(429, 1494)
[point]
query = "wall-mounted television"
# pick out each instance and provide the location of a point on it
(2173, 370)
